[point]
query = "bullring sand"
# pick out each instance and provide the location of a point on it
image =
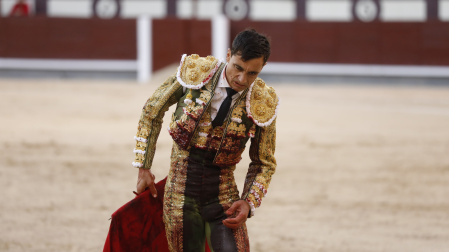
(361, 168)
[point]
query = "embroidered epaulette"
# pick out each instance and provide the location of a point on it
(262, 103)
(195, 71)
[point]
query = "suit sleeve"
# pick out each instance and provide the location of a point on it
(262, 166)
(150, 122)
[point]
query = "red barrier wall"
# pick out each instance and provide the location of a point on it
(364, 43)
(174, 37)
(67, 38)
(64, 38)
(308, 42)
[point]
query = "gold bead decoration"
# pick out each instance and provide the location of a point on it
(260, 110)
(258, 95)
(205, 68)
(189, 95)
(270, 103)
(191, 64)
(193, 76)
(272, 93)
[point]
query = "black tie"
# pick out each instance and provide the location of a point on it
(224, 108)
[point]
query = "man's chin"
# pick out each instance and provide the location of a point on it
(237, 87)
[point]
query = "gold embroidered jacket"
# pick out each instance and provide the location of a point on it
(253, 116)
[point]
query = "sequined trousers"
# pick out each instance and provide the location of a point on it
(193, 213)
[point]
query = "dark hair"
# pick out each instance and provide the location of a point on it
(249, 44)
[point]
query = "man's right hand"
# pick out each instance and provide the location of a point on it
(146, 179)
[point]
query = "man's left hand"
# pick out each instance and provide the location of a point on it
(240, 210)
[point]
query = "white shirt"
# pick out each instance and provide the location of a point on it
(220, 95)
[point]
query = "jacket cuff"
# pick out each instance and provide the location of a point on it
(252, 208)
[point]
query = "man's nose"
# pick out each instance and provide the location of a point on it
(242, 78)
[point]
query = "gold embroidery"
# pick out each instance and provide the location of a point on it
(216, 136)
(191, 64)
(258, 95)
(205, 96)
(230, 144)
(205, 68)
(217, 132)
(196, 70)
(202, 138)
(228, 159)
(174, 198)
(192, 75)
(141, 145)
(236, 130)
(238, 112)
(189, 95)
(139, 158)
(150, 122)
(241, 238)
(187, 133)
(263, 166)
(193, 111)
(262, 103)
(259, 111)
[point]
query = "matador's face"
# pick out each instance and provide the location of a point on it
(241, 74)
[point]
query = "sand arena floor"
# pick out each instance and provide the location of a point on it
(361, 168)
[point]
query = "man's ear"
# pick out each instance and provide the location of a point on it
(228, 55)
